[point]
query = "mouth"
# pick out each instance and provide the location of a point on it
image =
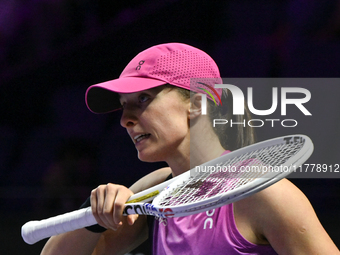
(140, 137)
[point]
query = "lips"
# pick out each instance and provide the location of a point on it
(140, 137)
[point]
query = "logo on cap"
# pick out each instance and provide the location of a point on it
(140, 65)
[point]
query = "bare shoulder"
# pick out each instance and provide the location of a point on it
(284, 216)
(151, 179)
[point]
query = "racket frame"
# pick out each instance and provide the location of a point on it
(35, 231)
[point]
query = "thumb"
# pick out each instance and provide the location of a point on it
(132, 218)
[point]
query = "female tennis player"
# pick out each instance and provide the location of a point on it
(162, 113)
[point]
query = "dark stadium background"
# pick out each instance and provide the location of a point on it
(54, 151)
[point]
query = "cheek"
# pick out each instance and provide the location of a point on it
(169, 119)
(176, 124)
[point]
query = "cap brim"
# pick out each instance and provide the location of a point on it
(103, 97)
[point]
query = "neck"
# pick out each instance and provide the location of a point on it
(179, 162)
(204, 148)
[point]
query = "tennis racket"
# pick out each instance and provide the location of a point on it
(218, 182)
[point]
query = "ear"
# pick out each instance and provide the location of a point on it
(195, 106)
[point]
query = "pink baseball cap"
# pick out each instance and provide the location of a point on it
(177, 64)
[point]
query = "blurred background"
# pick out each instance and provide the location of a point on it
(53, 151)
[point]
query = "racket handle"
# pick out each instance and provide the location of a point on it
(34, 231)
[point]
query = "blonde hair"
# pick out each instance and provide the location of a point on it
(231, 137)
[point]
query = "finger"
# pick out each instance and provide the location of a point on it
(97, 202)
(111, 194)
(94, 204)
(131, 219)
(123, 194)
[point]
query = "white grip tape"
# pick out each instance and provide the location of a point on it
(35, 231)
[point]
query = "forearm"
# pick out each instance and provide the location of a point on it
(126, 238)
(80, 241)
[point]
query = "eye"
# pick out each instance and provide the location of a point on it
(143, 98)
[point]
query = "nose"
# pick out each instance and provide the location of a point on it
(128, 118)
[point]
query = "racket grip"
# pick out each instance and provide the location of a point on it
(34, 231)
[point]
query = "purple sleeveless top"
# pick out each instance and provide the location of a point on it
(211, 232)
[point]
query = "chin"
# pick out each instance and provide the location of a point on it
(149, 157)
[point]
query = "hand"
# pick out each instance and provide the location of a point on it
(107, 203)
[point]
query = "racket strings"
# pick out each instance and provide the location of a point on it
(234, 173)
